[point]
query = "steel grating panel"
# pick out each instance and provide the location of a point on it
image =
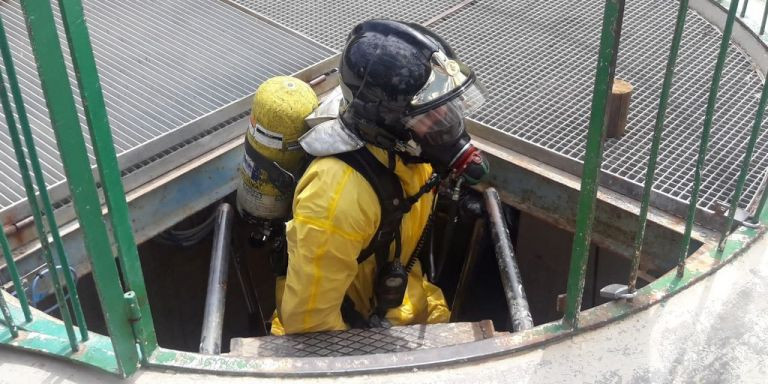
(538, 62)
(329, 22)
(551, 106)
(162, 65)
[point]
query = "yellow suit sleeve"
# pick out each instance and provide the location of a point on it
(335, 213)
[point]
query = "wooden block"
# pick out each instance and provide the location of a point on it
(617, 109)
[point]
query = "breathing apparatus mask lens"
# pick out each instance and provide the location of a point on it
(437, 119)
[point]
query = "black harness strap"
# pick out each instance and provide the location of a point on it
(389, 191)
(394, 205)
(392, 201)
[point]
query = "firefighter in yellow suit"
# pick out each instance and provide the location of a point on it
(403, 97)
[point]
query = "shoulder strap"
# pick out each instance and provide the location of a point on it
(389, 191)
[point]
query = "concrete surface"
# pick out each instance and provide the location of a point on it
(715, 332)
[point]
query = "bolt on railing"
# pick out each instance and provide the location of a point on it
(613, 15)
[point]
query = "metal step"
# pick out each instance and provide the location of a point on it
(362, 341)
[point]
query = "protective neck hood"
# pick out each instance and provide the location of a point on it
(328, 135)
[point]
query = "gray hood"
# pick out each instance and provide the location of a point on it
(328, 135)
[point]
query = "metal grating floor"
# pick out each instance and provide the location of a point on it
(329, 22)
(162, 64)
(538, 61)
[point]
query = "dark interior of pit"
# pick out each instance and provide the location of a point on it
(176, 277)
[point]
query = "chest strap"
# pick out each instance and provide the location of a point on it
(392, 201)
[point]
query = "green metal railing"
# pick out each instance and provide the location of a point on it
(123, 298)
(762, 20)
(606, 67)
(604, 75)
(704, 141)
(125, 308)
(658, 129)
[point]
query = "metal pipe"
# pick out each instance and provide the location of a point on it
(213, 319)
(14, 228)
(744, 167)
(613, 15)
(744, 8)
(765, 16)
(703, 143)
(505, 255)
(256, 315)
(658, 129)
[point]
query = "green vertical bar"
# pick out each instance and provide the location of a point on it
(32, 199)
(703, 143)
(761, 205)
(6, 249)
(8, 111)
(744, 167)
(658, 129)
(7, 317)
(606, 67)
(101, 137)
(744, 8)
(71, 145)
(13, 82)
(42, 189)
(765, 16)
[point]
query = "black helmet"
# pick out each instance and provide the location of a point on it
(394, 76)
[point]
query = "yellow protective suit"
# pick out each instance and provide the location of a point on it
(335, 214)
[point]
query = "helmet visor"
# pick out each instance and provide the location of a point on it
(448, 79)
(445, 122)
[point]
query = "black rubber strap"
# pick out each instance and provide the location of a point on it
(389, 191)
(276, 175)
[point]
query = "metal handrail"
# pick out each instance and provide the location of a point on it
(704, 141)
(89, 85)
(128, 325)
(613, 15)
(47, 209)
(658, 129)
